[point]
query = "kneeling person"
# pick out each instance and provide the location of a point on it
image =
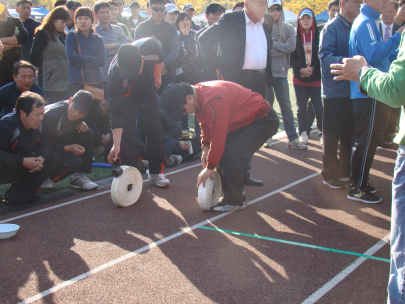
(25, 156)
(235, 123)
(71, 139)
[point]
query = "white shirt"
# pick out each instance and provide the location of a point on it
(383, 26)
(256, 46)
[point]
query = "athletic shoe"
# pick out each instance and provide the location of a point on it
(79, 181)
(228, 208)
(321, 139)
(371, 189)
(334, 183)
(47, 184)
(97, 151)
(160, 179)
(365, 197)
(174, 160)
(268, 143)
(345, 179)
(143, 165)
(296, 144)
(304, 137)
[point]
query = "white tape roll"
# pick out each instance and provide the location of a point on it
(208, 196)
(126, 188)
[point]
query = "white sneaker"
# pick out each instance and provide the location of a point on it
(304, 137)
(268, 143)
(160, 179)
(174, 160)
(47, 184)
(296, 144)
(79, 181)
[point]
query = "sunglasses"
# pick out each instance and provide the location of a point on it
(275, 8)
(158, 9)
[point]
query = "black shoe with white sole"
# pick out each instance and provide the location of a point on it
(334, 183)
(365, 197)
(371, 189)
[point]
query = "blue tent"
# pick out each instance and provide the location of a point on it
(39, 10)
(322, 17)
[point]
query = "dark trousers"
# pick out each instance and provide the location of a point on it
(367, 123)
(69, 163)
(239, 148)
(310, 116)
(391, 120)
(165, 83)
(256, 83)
(337, 126)
(303, 94)
(148, 115)
(195, 143)
(21, 175)
(54, 97)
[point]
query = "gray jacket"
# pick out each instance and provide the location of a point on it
(280, 52)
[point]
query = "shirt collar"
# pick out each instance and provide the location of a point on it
(370, 12)
(247, 20)
(100, 27)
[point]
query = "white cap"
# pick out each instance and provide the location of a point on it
(274, 2)
(171, 8)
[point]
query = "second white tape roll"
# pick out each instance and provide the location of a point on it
(126, 188)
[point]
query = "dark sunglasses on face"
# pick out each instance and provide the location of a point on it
(275, 8)
(158, 9)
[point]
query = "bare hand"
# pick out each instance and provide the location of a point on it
(350, 68)
(158, 82)
(164, 71)
(306, 72)
(203, 176)
(82, 127)
(217, 70)
(185, 30)
(184, 145)
(31, 162)
(114, 154)
(105, 139)
(76, 150)
(401, 30)
(204, 156)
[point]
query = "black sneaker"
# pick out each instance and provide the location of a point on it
(365, 197)
(371, 189)
(334, 183)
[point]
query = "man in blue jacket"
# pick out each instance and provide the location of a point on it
(366, 40)
(337, 105)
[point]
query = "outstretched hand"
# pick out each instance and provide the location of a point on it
(350, 68)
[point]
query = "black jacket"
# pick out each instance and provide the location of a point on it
(133, 25)
(16, 142)
(230, 32)
(395, 28)
(202, 71)
(298, 60)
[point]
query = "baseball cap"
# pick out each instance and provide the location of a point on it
(134, 4)
(214, 8)
(171, 8)
(73, 4)
(188, 6)
(129, 60)
(274, 2)
(174, 99)
(83, 102)
(306, 11)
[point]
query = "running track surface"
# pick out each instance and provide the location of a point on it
(89, 251)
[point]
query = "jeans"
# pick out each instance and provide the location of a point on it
(281, 89)
(303, 94)
(396, 286)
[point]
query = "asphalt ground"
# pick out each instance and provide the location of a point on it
(298, 241)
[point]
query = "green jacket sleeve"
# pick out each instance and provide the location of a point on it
(388, 87)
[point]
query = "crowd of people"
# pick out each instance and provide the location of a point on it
(87, 81)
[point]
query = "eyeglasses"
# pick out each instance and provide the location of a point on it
(158, 9)
(275, 8)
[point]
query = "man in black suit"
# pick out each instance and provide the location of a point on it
(245, 44)
(387, 28)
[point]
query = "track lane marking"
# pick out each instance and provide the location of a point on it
(345, 272)
(154, 244)
(296, 243)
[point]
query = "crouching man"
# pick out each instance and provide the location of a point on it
(71, 139)
(235, 123)
(25, 157)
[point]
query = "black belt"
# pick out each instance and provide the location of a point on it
(260, 72)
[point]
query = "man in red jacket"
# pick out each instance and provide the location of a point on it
(235, 123)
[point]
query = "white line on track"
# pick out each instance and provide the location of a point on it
(345, 272)
(152, 245)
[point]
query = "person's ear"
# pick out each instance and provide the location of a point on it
(23, 114)
(14, 77)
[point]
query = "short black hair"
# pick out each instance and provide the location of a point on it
(238, 4)
(59, 3)
(20, 2)
(99, 5)
(27, 101)
(151, 2)
(188, 89)
(395, 4)
(113, 3)
(84, 11)
(21, 65)
(332, 3)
